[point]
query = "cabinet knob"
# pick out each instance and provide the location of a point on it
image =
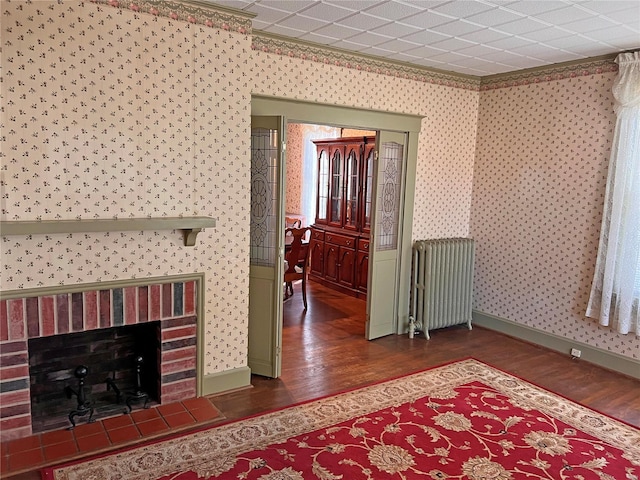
(348, 242)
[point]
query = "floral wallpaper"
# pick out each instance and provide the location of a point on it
(143, 109)
(539, 180)
(295, 153)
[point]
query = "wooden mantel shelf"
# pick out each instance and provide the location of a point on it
(190, 226)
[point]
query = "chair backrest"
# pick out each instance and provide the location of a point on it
(292, 222)
(297, 251)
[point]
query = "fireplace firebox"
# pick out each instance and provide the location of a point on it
(110, 358)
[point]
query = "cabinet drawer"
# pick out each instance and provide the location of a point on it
(340, 240)
(363, 244)
(317, 235)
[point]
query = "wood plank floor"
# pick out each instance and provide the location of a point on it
(324, 352)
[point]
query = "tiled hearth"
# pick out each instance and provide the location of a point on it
(173, 305)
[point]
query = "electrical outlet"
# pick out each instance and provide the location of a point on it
(575, 353)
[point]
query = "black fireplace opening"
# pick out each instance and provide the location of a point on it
(110, 382)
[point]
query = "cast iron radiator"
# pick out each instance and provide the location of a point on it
(442, 283)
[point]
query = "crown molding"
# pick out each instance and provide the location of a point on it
(294, 48)
(191, 11)
(548, 73)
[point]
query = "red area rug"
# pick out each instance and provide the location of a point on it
(465, 420)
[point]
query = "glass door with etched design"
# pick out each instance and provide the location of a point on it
(384, 260)
(266, 245)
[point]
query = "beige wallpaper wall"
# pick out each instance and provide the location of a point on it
(539, 181)
(294, 167)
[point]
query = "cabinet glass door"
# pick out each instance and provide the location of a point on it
(323, 186)
(351, 178)
(337, 190)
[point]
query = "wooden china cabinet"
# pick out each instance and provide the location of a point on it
(339, 244)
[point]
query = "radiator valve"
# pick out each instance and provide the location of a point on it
(412, 327)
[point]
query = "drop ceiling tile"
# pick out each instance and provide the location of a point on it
(426, 20)
(563, 15)
(502, 57)
(461, 9)
(346, 45)
(522, 26)
(337, 31)
(494, 17)
(449, 57)
(431, 64)
(369, 38)
(393, 11)
(425, 37)
(477, 50)
(589, 24)
(507, 43)
(395, 29)
(623, 17)
(403, 57)
(546, 34)
(453, 44)
(378, 52)
(535, 7)
(615, 33)
(535, 50)
(287, 5)
(609, 6)
(239, 4)
(485, 35)
(299, 22)
(457, 28)
(326, 12)
(397, 45)
(362, 21)
(315, 38)
(424, 51)
(359, 5)
(567, 42)
(288, 32)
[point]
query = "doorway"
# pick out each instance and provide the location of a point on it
(390, 315)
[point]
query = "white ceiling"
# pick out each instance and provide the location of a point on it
(475, 37)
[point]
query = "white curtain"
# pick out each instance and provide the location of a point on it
(310, 167)
(615, 293)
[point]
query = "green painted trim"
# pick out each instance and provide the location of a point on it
(84, 287)
(404, 287)
(227, 380)
(200, 331)
(190, 226)
(298, 111)
(609, 360)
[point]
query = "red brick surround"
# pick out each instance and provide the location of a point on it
(173, 304)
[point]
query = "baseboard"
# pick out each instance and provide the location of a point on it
(597, 356)
(227, 380)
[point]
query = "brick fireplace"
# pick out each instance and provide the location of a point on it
(173, 304)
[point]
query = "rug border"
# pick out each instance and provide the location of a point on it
(47, 473)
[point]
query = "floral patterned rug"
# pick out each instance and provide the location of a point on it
(465, 420)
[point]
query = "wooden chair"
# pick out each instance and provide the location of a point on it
(291, 222)
(296, 257)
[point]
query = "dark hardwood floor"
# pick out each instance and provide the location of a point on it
(324, 352)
